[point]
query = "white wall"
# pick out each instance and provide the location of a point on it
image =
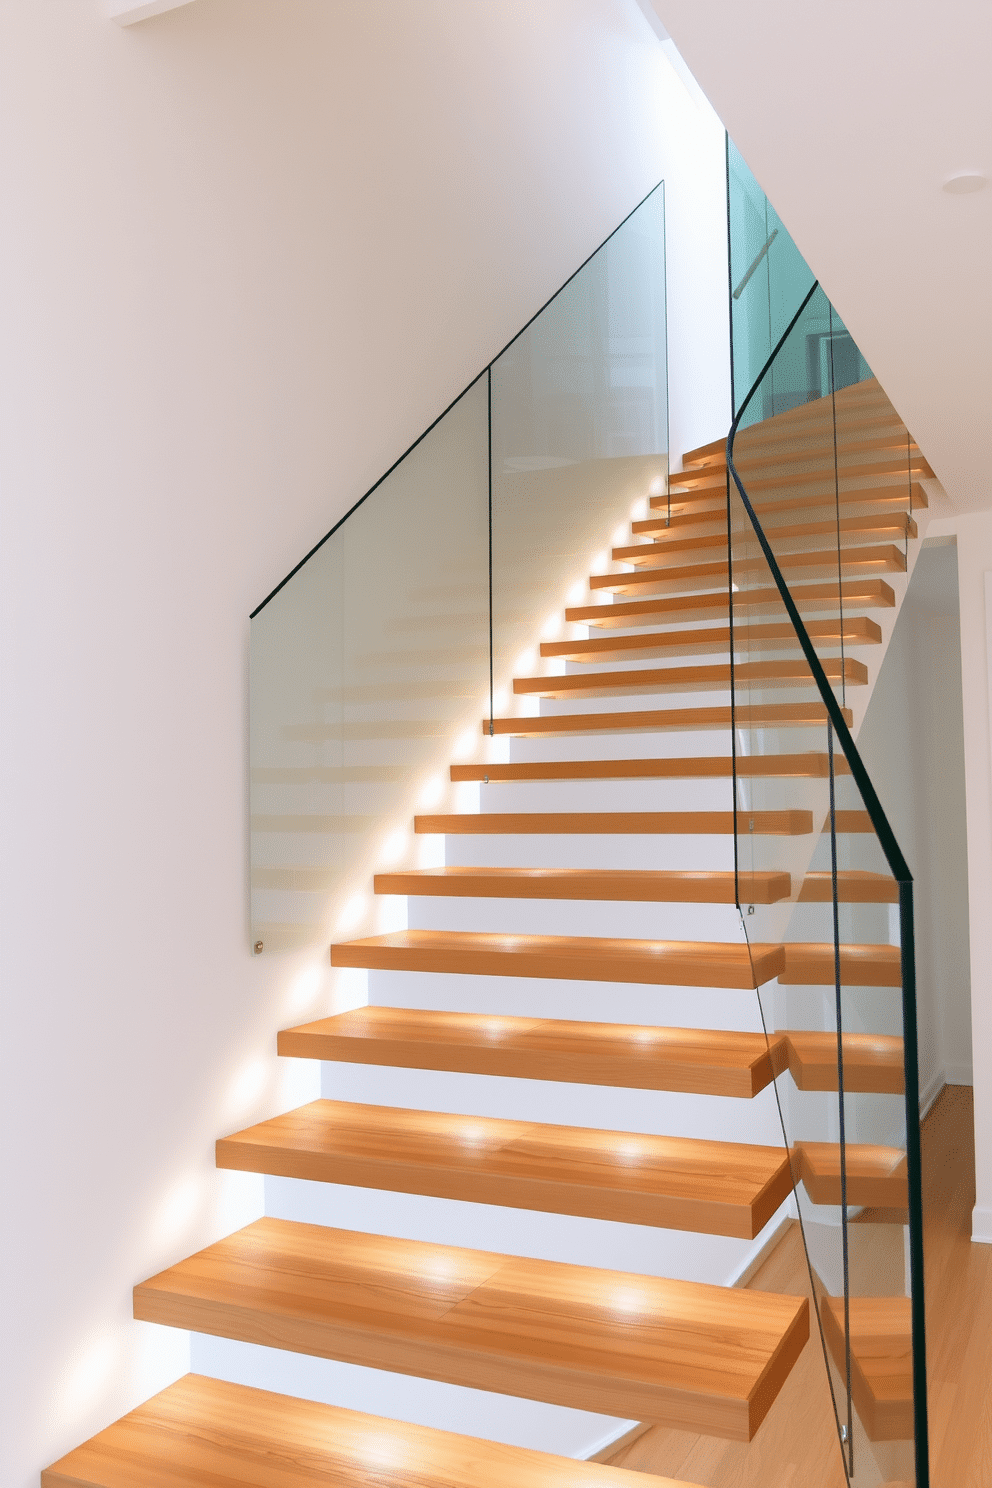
(912, 741)
(251, 250)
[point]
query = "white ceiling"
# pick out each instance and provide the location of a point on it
(852, 114)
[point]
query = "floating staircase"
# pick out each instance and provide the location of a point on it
(597, 871)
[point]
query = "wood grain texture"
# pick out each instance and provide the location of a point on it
(604, 884)
(689, 512)
(712, 678)
(665, 963)
(701, 1061)
(701, 767)
(873, 1062)
(871, 593)
(876, 1176)
(850, 466)
(676, 1183)
(881, 1361)
(610, 823)
(571, 1335)
(768, 715)
(855, 630)
(207, 1433)
(854, 885)
(812, 964)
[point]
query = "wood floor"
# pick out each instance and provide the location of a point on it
(797, 1447)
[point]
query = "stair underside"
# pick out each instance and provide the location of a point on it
(677, 1183)
(700, 1061)
(703, 1358)
(206, 1433)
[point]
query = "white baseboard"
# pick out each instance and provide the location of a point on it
(621, 1436)
(981, 1225)
(930, 1092)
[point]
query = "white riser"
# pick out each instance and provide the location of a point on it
(601, 1107)
(581, 850)
(595, 1002)
(711, 922)
(609, 795)
(549, 1237)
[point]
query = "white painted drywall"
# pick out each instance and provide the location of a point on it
(852, 116)
(912, 741)
(251, 250)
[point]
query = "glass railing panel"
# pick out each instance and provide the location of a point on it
(580, 439)
(365, 667)
(829, 474)
(768, 275)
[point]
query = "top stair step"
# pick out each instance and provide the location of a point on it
(702, 1358)
(207, 1433)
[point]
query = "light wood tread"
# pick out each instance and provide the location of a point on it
(879, 558)
(583, 958)
(873, 1062)
(689, 511)
(870, 593)
(675, 1183)
(700, 767)
(767, 715)
(856, 630)
(816, 441)
(876, 1175)
(208, 1433)
(881, 1361)
(812, 964)
(700, 1061)
(711, 678)
(702, 1357)
(852, 467)
(632, 885)
(855, 885)
(894, 525)
(595, 823)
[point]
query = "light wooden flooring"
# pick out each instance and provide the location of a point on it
(797, 1447)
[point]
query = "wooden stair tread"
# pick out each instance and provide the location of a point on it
(876, 1175)
(676, 1183)
(701, 1357)
(207, 1433)
(581, 958)
(879, 558)
(873, 1062)
(856, 630)
(872, 593)
(881, 1361)
(700, 1061)
(770, 715)
(855, 886)
(898, 466)
(812, 964)
(594, 823)
(631, 885)
(809, 765)
(792, 447)
(897, 525)
(714, 677)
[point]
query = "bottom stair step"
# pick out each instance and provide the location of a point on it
(705, 1358)
(205, 1433)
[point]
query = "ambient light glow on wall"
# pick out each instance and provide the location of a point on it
(127, 12)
